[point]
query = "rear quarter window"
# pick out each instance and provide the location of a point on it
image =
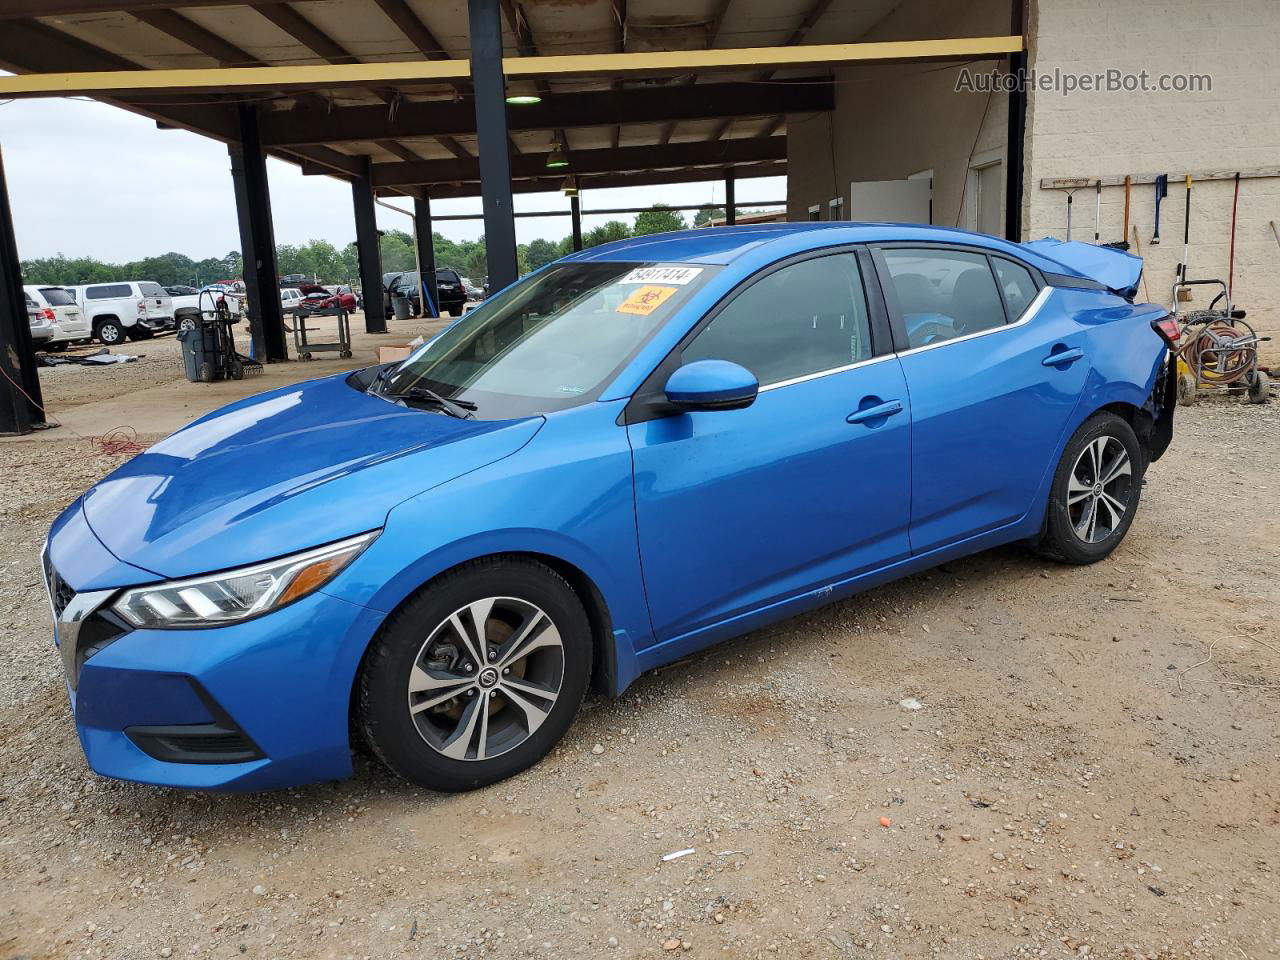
(1017, 285)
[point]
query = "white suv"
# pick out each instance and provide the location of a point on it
(59, 311)
(136, 309)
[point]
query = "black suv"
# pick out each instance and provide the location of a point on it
(449, 290)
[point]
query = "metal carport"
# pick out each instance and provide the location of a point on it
(408, 98)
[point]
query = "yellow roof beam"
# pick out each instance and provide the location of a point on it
(324, 76)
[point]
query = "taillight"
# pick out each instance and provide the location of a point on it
(49, 314)
(142, 308)
(1168, 330)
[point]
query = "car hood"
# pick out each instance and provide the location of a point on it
(1114, 269)
(283, 471)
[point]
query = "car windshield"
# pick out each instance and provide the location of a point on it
(552, 341)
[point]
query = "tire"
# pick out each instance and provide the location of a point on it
(1186, 389)
(109, 332)
(56, 347)
(139, 332)
(439, 744)
(186, 322)
(1068, 535)
(1259, 388)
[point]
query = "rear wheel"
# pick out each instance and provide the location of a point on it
(1095, 492)
(477, 677)
(139, 332)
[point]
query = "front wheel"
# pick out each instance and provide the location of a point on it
(477, 677)
(1095, 492)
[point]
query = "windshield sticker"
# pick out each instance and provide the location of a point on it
(677, 275)
(646, 300)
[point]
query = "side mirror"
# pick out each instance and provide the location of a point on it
(712, 385)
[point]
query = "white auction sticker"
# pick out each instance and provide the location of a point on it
(666, 275)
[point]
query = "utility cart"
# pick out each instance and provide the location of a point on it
(306, 348)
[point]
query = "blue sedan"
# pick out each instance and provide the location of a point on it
(636, 452)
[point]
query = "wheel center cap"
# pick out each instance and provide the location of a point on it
(1097, 489)
(488, 677)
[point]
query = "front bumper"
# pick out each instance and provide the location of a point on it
(251, 706)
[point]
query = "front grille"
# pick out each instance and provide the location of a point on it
(60, 592)
(221, 742)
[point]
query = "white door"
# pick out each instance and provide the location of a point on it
(990, 194)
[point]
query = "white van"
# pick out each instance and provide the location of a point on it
(59, 310)
(136, 309)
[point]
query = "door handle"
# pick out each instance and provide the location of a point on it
(1062, 357)
(878, 411)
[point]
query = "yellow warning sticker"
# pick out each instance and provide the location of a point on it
(646, 300)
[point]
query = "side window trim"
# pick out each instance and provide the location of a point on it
(649, 401)
(896, 323)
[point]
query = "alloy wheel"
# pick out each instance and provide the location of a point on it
(1099, 489)
(486, 678)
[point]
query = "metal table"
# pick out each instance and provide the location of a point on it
(305, 349)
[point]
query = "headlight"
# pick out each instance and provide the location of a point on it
(238, 594)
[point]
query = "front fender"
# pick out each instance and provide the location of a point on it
(567, 495)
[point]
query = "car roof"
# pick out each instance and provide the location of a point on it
(723, 245)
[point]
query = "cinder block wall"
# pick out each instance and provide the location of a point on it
(1236, 126)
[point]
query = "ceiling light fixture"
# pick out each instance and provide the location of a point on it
(523, 99)
(556, 159)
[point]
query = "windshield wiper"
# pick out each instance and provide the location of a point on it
(460, 409)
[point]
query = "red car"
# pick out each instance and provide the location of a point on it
(316, 298)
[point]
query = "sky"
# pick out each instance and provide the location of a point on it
(88, 179)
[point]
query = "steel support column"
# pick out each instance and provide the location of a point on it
(375, 316)
(18, 376)
(575, 216)
(257, 239)
(730, 199)
(426, 251)
(1017, 131)
(491, 141)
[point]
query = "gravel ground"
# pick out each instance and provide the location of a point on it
(998, 758)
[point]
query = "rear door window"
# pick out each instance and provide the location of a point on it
(108, 291)
(943, 294)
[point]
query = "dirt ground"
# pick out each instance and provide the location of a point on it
(998, 758)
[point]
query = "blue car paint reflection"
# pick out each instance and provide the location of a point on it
(689, 527)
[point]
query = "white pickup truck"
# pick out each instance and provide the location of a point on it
(188, 307)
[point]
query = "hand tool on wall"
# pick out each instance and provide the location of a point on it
(1162, 191)
(1124, 237)
(1186, 235)
(1231, 256)
(1097, 213)
(1137, 245)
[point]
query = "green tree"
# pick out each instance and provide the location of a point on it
(540, 252)
(660, 219)
(606, 233)
(397, 251)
